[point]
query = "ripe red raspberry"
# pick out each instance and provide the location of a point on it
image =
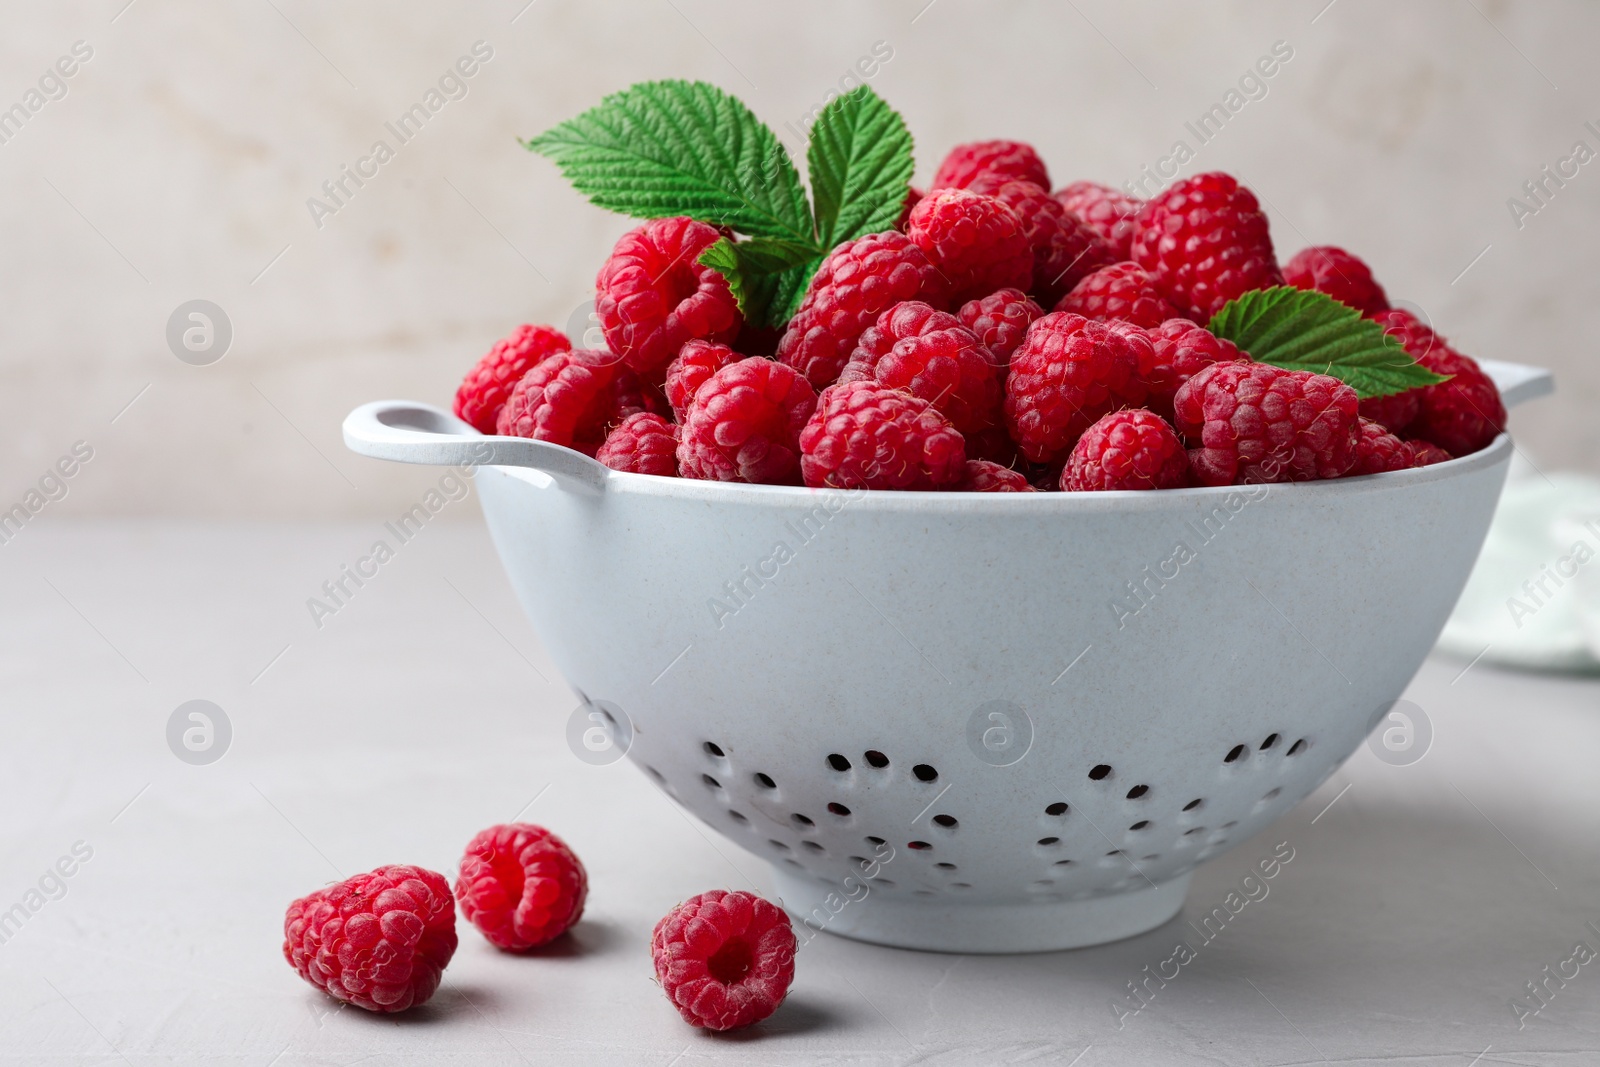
(642, 443)
(1204, 240)
(1069, 372)
(1182, 350)
(724, 959)
(1378, 450)
(1121, 291)
(695, 362)
(1339, 274)
(484, 390)
(521, 885)
(1005, 160)
(930, 354)
(860, 280)
(744, 424)
(652, 295)
(1109, 212)
(913, 194)
(1064, 248)
(573, 399)
(976, 242)
(987, 476)
(379, 940)
(867, 436)
(1130, 449)
(1258, 423)
(1426, 453)
(1461, 415)
(1393, 412)
(1000, 320)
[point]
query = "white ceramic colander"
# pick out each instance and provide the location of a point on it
(977, 722)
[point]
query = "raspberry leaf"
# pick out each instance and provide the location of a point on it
(666, 148)
(767, 276)
(1299, 329)
(859, 159)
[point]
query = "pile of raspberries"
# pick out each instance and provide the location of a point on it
(923, 357)
(381, 940)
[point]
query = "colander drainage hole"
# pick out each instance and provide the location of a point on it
(925, 773)
(1138, 791)
(1140, 825)
(1062, 863)
(1271, 740)
(875, 758)
(652, 772)
(812, 845)
(838, 762)
(801, 820)
(737, 816)
(1233, 754)
(791, 861)
(920, 846)
(960, 885)
(764, 780)
(714, 749)
(874, 840)
(1228, 825)
(923, 893)
(859, 861)
(779, 845)
(886, 883)
(1058, 808)
(838, 809)
(1297, 748)
(947, 821)
(1193, 831)
(1152, 856)
(1100, 772)
(945, 866)
(1269, 794)
(711, 783)
(1048, 841)
(1193, 804)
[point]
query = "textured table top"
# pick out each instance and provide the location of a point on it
(1420, 902)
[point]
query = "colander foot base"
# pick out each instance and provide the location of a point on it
(946, 924)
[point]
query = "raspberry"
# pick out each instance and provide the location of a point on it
(1461, 415)
(1378, 450)
(860, 280)
(986, 476)
(1182, 350)
(573, 399)
(1121, 291)
(484, 390)
(930, 354)
(867, 436)
(1107, 211)
(695, 362)
(1339, 274)
(642, 443)
(913, 194)
(1393, 412)
(975, 241)
(724, 959)
(379, 940)
(652, 295)
(1005, 160)
(1064, 248)
(1069, 372)
(1000, 320)
(1134, 449)
(1426, 453)
(520, 884)
(1258, 423)
(744, 424)
(1204, 240)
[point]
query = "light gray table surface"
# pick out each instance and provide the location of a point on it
(1420, 901)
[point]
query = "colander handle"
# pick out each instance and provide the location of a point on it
(1518, 382)
(406, 431)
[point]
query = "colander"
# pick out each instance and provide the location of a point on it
(976, 722)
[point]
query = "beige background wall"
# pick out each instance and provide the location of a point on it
(178, 165)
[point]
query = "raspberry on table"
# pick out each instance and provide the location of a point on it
(1005, 160)
(1205, 241)
(1129, 449)
(1378, 451)
(1461, 415)
(724, 959)
(1109, 212)
(574, 399)
(1426, 453)
(695, 362)
(860, 280)
(868, 436)
(652, 295)
(1183, 349)
(976, 242)
(1339, 274)
(520, 884)
(642, 443)
(1119, 291)
(929, 354)
(379, 940)
(1253, 422)
(1000, 320)
(987, 476)
(1068, 372)
(744, 422)
(1065, 249)
(484, 390)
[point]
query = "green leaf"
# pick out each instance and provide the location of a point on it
(682, 148)
(767, 276)
(1299, 329)
(860, 163)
